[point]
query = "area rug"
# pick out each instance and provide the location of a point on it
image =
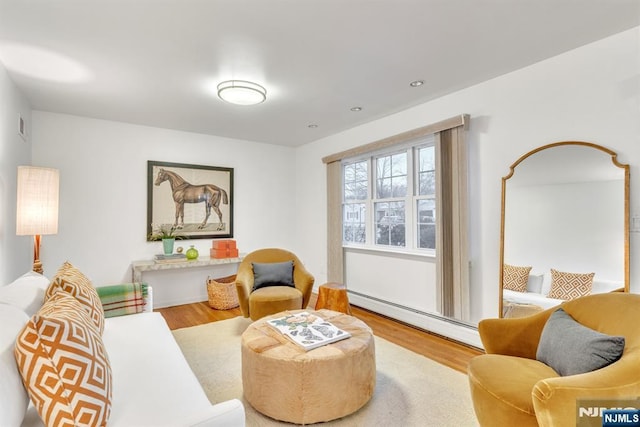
(411, 390)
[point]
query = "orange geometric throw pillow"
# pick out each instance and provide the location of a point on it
(71, 280)
(64, 365)
(515, 278)
(569, 286)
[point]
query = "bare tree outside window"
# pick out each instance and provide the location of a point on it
(426, 224)
(391, 176)
(426, 198)
(391, 183)
(426, 171)
(356, 189)
(385, 192)
(390, 223)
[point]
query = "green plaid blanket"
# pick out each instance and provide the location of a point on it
(122, 299)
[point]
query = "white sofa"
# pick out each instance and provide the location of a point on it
(152, 382)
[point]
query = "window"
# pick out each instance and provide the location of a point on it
(426, 205)
(426, 197)
(399, 190)
(355, 193)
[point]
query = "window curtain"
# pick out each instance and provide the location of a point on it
(452, 262)
(452, 245)
(335, 257)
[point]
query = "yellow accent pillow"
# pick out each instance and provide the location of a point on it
(71, 280)
(64, 365)
(515, 278)
(569, 286)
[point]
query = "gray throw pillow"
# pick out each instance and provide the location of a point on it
(272, 274)
(571, 348)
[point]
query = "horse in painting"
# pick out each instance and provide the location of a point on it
(184, 192)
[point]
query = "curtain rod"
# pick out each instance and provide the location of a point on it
(450, 123)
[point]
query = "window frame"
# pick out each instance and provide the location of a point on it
(411, 234)
(418, 197)
(345, 163)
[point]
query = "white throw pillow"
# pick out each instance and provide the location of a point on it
(534, 283)
(26, 292)
(13, 396)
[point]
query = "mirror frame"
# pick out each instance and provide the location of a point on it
(614, 160)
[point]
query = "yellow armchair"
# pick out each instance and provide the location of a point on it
(272, 299)
(509, 387)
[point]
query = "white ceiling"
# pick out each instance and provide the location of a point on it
(154, 62)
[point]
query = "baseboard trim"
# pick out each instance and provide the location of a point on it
(450, 328)
(179, 301)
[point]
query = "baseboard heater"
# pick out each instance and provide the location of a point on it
(449, 328)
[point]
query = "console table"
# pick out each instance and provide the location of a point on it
(139, 267)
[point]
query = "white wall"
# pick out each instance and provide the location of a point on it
(103, 193)
(16, 252)
(376, 274)
(590, 94)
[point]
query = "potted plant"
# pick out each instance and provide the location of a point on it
(166, 233)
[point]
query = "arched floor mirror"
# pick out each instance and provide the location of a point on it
(564, 228)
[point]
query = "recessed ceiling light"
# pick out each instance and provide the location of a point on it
(356, 108)
(241, 92)
(416, 83)
(312, 126)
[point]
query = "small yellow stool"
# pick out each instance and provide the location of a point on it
(333, 296)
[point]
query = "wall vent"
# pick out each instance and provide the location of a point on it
(22, 127)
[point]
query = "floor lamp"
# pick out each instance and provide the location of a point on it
(37, 205)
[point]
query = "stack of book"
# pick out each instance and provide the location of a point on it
(163, 258)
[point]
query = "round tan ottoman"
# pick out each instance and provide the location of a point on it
(285, 382)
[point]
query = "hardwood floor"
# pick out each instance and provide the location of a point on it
(442, 350)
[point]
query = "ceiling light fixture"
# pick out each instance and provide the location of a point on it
(416, 83)
(312, 126)
(241, 92)
(356, 108)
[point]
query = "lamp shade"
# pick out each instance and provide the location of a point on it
(37, 202)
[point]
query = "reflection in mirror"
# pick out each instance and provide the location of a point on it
(564, 230)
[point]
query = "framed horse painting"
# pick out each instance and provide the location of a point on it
(195, 201)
